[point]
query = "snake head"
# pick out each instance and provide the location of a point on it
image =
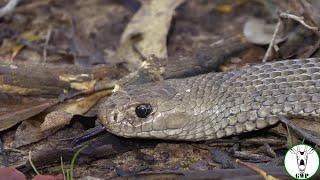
(142, 111)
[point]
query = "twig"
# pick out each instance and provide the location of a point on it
(314, 20)
(263, 173)
(39, 47)
(267, 150)
(300, 131)
(251, 156)
(9, 7)
(310, 12)
(290, 137)
(31, 164)
(32, 6)
(15, 150)
(286, 16)
(45, 47)
(272, 42)
(298, 19)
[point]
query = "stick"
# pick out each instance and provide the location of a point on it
(9, 7)
(300, 131)
(286, 16)
(268, 53)
(300, 20)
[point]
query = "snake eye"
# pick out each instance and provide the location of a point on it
(143, 110)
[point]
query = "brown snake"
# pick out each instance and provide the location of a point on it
(215, 105)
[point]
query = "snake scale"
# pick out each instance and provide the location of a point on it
(215, 105)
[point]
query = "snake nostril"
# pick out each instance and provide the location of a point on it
(115, 116)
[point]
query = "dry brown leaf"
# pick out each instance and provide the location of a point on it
(11, 46)
(146, 34)
(56, 118)
(80, 81)
(7, 46)
(10, 119)
(75, 77)
(86, 86)
(228, 8)
(32, 78)
(5, 88)
(65, 112)
(29, 132)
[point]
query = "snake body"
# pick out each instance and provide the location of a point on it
(216, 105)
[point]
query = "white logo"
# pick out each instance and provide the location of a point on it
(301, 161)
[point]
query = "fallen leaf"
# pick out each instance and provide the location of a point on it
(30, 78)
(56, 119)
(12, 118)
(146, 33)
(81, 82)
(224, 9)
(65, 112)
(6, 88)
(29, 132)
(86, 86)
(75, 77)
(257, 31)
(16, 47)
(6, 46)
